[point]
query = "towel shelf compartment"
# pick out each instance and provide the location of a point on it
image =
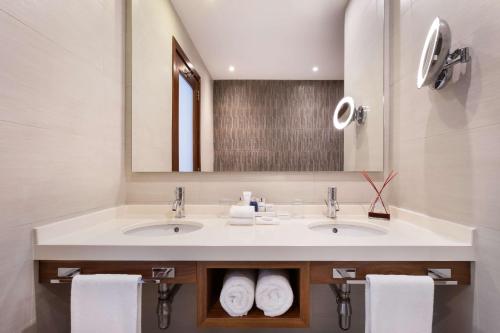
(211, 313)
(178, 272)
(354, 272)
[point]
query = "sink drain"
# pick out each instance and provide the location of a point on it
(176, 229)
(335, 230)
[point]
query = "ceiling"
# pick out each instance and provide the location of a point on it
(267, 39)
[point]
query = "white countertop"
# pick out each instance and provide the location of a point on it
(98, 236)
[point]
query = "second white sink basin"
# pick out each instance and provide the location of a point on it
(348, 229)
(162, 228)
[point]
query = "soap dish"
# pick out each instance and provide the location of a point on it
(265, 220)
(241, 221)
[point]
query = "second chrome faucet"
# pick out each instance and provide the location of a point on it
(179, 202)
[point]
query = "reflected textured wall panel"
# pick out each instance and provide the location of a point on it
(277, 126)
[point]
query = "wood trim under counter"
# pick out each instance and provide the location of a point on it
(208, 277)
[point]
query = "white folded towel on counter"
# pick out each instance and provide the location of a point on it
(238, 292)
(242, 212)
(106, 303)
(398, 303)
(274, 294)
(241, 215)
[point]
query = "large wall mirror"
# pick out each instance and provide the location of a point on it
(252, 85)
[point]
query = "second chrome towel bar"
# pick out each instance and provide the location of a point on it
(441, 276)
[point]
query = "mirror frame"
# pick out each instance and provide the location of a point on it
(383, 97)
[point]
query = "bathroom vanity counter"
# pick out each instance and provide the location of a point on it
(103, 235)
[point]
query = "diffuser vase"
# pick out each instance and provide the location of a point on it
(378, 208)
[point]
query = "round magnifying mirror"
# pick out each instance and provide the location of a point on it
(344, 113)
(434, 53)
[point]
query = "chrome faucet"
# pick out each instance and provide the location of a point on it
(180, 200)
(332, 204)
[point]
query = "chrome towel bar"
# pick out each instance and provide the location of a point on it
(437, 283)
(66, 274)
(68, 280)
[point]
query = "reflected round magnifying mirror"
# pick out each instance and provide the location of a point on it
(346, 112)
(434, 54)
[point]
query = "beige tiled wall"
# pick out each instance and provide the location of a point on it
(61, 128)
(445, 144)
(278, 187)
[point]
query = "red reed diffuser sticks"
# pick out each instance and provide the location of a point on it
(385, 215)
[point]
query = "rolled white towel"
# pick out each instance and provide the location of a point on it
(238, 292)
(242, 212)
(274, 294)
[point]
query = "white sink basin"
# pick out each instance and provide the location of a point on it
(162, 228)
(348, 229)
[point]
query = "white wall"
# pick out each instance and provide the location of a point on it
(364, 81)
(445, 144)
(61, 128)
(152, 25)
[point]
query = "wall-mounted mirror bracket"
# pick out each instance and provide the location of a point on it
(360, 114)
(458, 56)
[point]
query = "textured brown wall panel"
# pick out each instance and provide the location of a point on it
(277, 126)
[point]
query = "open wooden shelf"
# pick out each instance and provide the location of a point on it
(211, 313)
(216, 311)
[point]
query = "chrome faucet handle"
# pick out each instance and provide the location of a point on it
(332, 203)
(332, 193)
(179, 193)
(179, 202)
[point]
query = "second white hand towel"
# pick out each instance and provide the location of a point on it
(238, 292)
(398, 303)
(274, 294)
(106, 303)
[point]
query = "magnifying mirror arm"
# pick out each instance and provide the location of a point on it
(458, 56)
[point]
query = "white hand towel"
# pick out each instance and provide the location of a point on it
(106, 303)
(238, 292)
(241, 215)
(398, 303)
(274, 294)
(242, 212)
